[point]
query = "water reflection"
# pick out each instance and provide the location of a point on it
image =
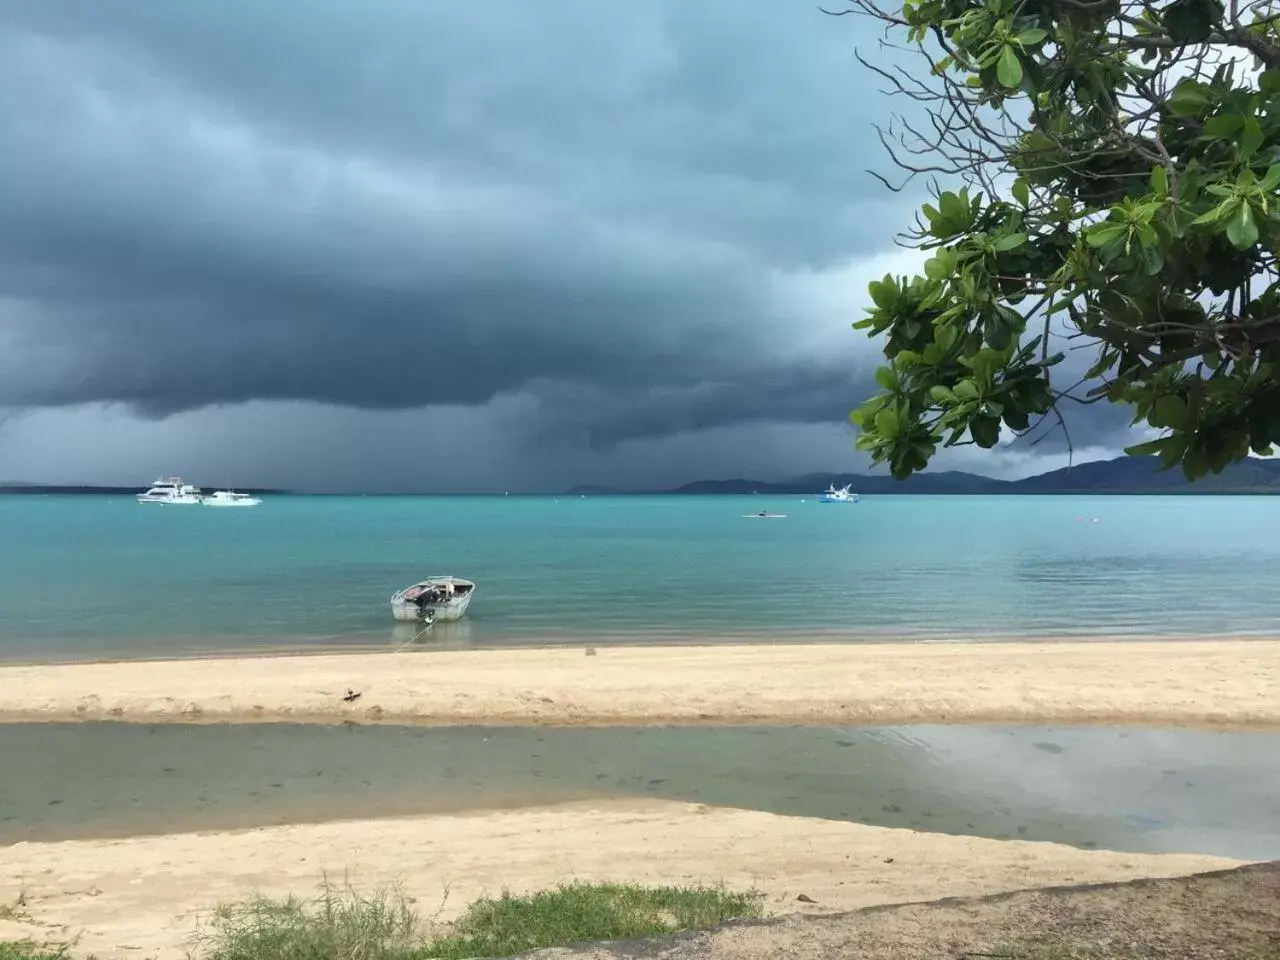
(1139, 790)
(449, 635)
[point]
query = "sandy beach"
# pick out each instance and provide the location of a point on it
(1207, 683)
(144, 897)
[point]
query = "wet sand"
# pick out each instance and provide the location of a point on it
(144, 897)
(1228, 683)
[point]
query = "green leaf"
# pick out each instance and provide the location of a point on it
(884, 292)
(1010, 241)
(1170, 411)
(953, 208)
(1179, 221)
(1218, 213)
(1189, 99)
(1016, 419)
(1101, 234)
(1250, 138)
(1031, 37)
(1222, 126)
(985, 431)
(886, 378)
(1194, 465)
(1009, 67)
(1160, 182)
(1192, 21)
(946, 336)
(1021, 192)
(887, 423)
(1174, 447)
(1272, 178)
(1242, 229)
(966, 390)
(995, 332)
(1146, 449)
(942, 394)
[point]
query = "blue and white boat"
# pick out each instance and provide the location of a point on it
(832, 495)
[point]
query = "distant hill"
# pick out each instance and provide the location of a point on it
(1121, 475)
(948, 482)
(1142, 475)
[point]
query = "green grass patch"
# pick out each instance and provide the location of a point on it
(342, 924)
(581, 912)
(29, 950)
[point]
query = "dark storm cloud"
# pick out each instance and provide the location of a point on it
(606, 210)
(410, 204)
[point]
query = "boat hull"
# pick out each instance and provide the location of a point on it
(453, 610)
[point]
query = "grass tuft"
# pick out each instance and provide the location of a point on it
(30, 950)
(342, 924)
(579, 912)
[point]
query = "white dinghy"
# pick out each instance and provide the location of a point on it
(433, 599)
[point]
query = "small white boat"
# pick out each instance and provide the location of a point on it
(842, 495)
(171, 490)
(229, 498)
(432, 599)
(764, 515)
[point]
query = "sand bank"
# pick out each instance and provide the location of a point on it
(1226, 683)
(143, 897)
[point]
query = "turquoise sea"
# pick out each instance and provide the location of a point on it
(102, 576)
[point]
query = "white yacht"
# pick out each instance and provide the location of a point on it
(171, 490)
(229, 498)
(832, 495)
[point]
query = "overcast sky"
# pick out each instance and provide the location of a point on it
(442, 246)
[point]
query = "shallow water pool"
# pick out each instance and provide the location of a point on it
(1128, 789)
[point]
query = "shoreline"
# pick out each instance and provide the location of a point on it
(144, 896)
(1221, 684)
(647, 640)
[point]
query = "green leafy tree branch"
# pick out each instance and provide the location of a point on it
(1113, 168)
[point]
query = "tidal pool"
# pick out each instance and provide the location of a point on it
(1128, 789)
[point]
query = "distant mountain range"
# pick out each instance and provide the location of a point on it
(1121, 475)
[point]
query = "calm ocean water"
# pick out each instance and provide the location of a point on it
(91, 576)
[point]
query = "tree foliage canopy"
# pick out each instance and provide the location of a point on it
(1112, 170)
